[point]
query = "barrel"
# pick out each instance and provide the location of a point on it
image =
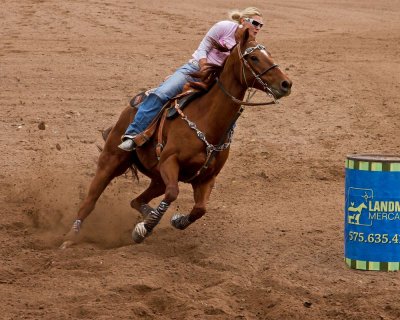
(372, 212)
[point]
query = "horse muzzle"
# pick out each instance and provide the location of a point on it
(284, 89)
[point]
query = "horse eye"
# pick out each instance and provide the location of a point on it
(254, 58)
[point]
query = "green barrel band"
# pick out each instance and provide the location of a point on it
(376, 166)
(372, 265)
(372, 165)
(395, 167)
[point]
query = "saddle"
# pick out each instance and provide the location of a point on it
(183, 100)
(168, 111)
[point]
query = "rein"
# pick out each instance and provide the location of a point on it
(244, 103)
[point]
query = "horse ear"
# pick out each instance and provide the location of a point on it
(245, 36)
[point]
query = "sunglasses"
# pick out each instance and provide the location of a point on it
(254, 22)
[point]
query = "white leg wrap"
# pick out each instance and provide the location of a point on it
(77, 225)
(139, 233)
(180, 221)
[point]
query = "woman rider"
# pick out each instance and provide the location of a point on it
(226, 33)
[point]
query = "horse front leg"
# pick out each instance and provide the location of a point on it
(201, 192)
(154, 190)
(169, 170)
(110, 165)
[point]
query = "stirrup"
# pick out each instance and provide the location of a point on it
(127, 145)
(127, 136)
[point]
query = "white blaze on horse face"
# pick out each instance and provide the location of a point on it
(265, 52)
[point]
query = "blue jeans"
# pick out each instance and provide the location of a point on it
(150, 106)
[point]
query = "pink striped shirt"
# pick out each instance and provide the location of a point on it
(224, 33)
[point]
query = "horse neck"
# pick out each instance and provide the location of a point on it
(221, 110)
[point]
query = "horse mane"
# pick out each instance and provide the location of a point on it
(210, 72)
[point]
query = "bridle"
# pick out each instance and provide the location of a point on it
(257, 77)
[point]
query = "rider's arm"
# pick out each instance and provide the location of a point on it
(216, 32)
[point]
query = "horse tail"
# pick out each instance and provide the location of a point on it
(105, 133)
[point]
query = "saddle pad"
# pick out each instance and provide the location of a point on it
(183, 102)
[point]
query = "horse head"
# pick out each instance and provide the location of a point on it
(258, 70)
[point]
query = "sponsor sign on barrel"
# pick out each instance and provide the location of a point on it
(372, 212)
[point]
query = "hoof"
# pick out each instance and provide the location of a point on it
(139, 233)
(72, 237)
(180, 221)
(66, 244)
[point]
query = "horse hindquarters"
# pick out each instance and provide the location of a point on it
(112, 163)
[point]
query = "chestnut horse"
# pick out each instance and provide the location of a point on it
(195, 144)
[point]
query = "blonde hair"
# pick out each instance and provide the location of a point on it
(248, 12)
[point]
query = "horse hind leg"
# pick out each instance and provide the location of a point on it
(110, 165)
(154, 190)
(201, 192)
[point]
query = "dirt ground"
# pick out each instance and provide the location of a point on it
(271, 244)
